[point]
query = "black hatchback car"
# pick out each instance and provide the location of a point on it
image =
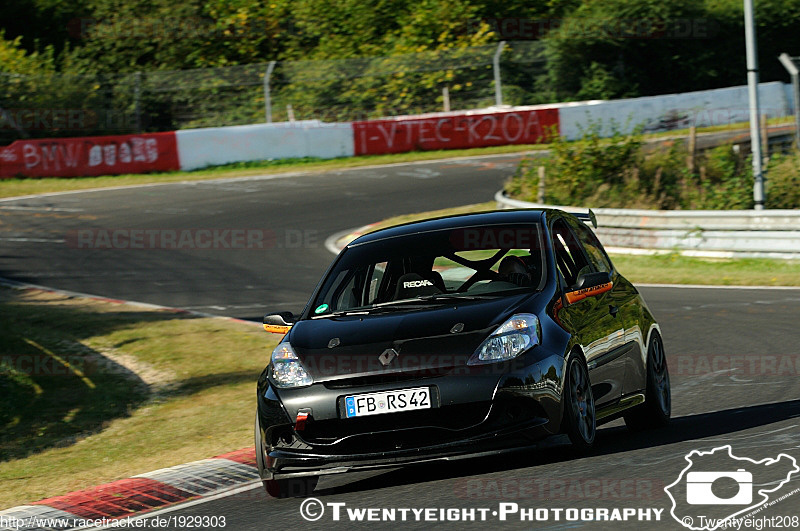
(456, 337)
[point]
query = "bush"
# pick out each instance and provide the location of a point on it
(622, 172)
(783, 181)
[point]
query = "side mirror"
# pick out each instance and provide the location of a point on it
(589, 285)
(278, 322)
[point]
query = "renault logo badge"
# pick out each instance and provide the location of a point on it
(387, 356)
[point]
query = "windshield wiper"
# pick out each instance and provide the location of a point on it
(420, 300)
(459, 296)
(362, 311)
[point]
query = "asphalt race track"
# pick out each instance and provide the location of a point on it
(733, 353)
(39, 237)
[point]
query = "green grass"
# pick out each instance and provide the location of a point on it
(669, 268)
(674, 268)
(144, 389)
(17, 187)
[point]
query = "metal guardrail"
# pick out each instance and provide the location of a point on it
(711, 233)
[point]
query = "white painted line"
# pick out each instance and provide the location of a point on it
(223, 494)
(34, 240)
(24, 285)
(709, 286)
(40, 209)
(146, 185)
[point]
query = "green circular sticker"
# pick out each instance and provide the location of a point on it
(321, 308)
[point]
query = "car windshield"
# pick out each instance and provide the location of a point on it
(401, 272)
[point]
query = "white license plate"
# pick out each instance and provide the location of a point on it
(387, 402)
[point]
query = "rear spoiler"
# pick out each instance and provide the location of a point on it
(589, 216)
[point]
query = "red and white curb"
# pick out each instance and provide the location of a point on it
(136, 495)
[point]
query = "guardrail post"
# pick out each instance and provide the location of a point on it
(137, 101)
(267, 100)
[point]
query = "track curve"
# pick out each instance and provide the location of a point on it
(293, 215)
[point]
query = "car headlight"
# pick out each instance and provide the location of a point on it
(520, 333)
(287, 371)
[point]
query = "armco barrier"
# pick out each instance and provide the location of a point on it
(714, 233)
(87, 156)
(518, 125)
(674, 111)
(199, 148)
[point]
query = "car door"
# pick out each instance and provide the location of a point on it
(625, 302)
(593, 319)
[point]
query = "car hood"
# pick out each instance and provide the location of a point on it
(429, 340)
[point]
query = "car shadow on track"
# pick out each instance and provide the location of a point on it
(611, 440)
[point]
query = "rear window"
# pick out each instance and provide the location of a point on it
(494, 260)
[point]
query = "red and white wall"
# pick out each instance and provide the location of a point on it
(197, 148)
(88, 156)
(459, 130)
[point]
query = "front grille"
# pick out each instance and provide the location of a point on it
(378, 379)
(441, 420)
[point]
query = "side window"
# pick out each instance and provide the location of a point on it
(570, 258)
(593, 248)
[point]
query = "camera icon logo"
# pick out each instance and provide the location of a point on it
(699, 492)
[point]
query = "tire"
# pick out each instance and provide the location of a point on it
(657, 407)
(260, 449)
(580, 419)
(280, 488)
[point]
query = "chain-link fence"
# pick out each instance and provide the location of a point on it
(331, 90)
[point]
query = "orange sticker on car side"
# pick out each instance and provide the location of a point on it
(578, 295)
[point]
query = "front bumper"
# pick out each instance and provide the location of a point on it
(283, 464)
(487, 411)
